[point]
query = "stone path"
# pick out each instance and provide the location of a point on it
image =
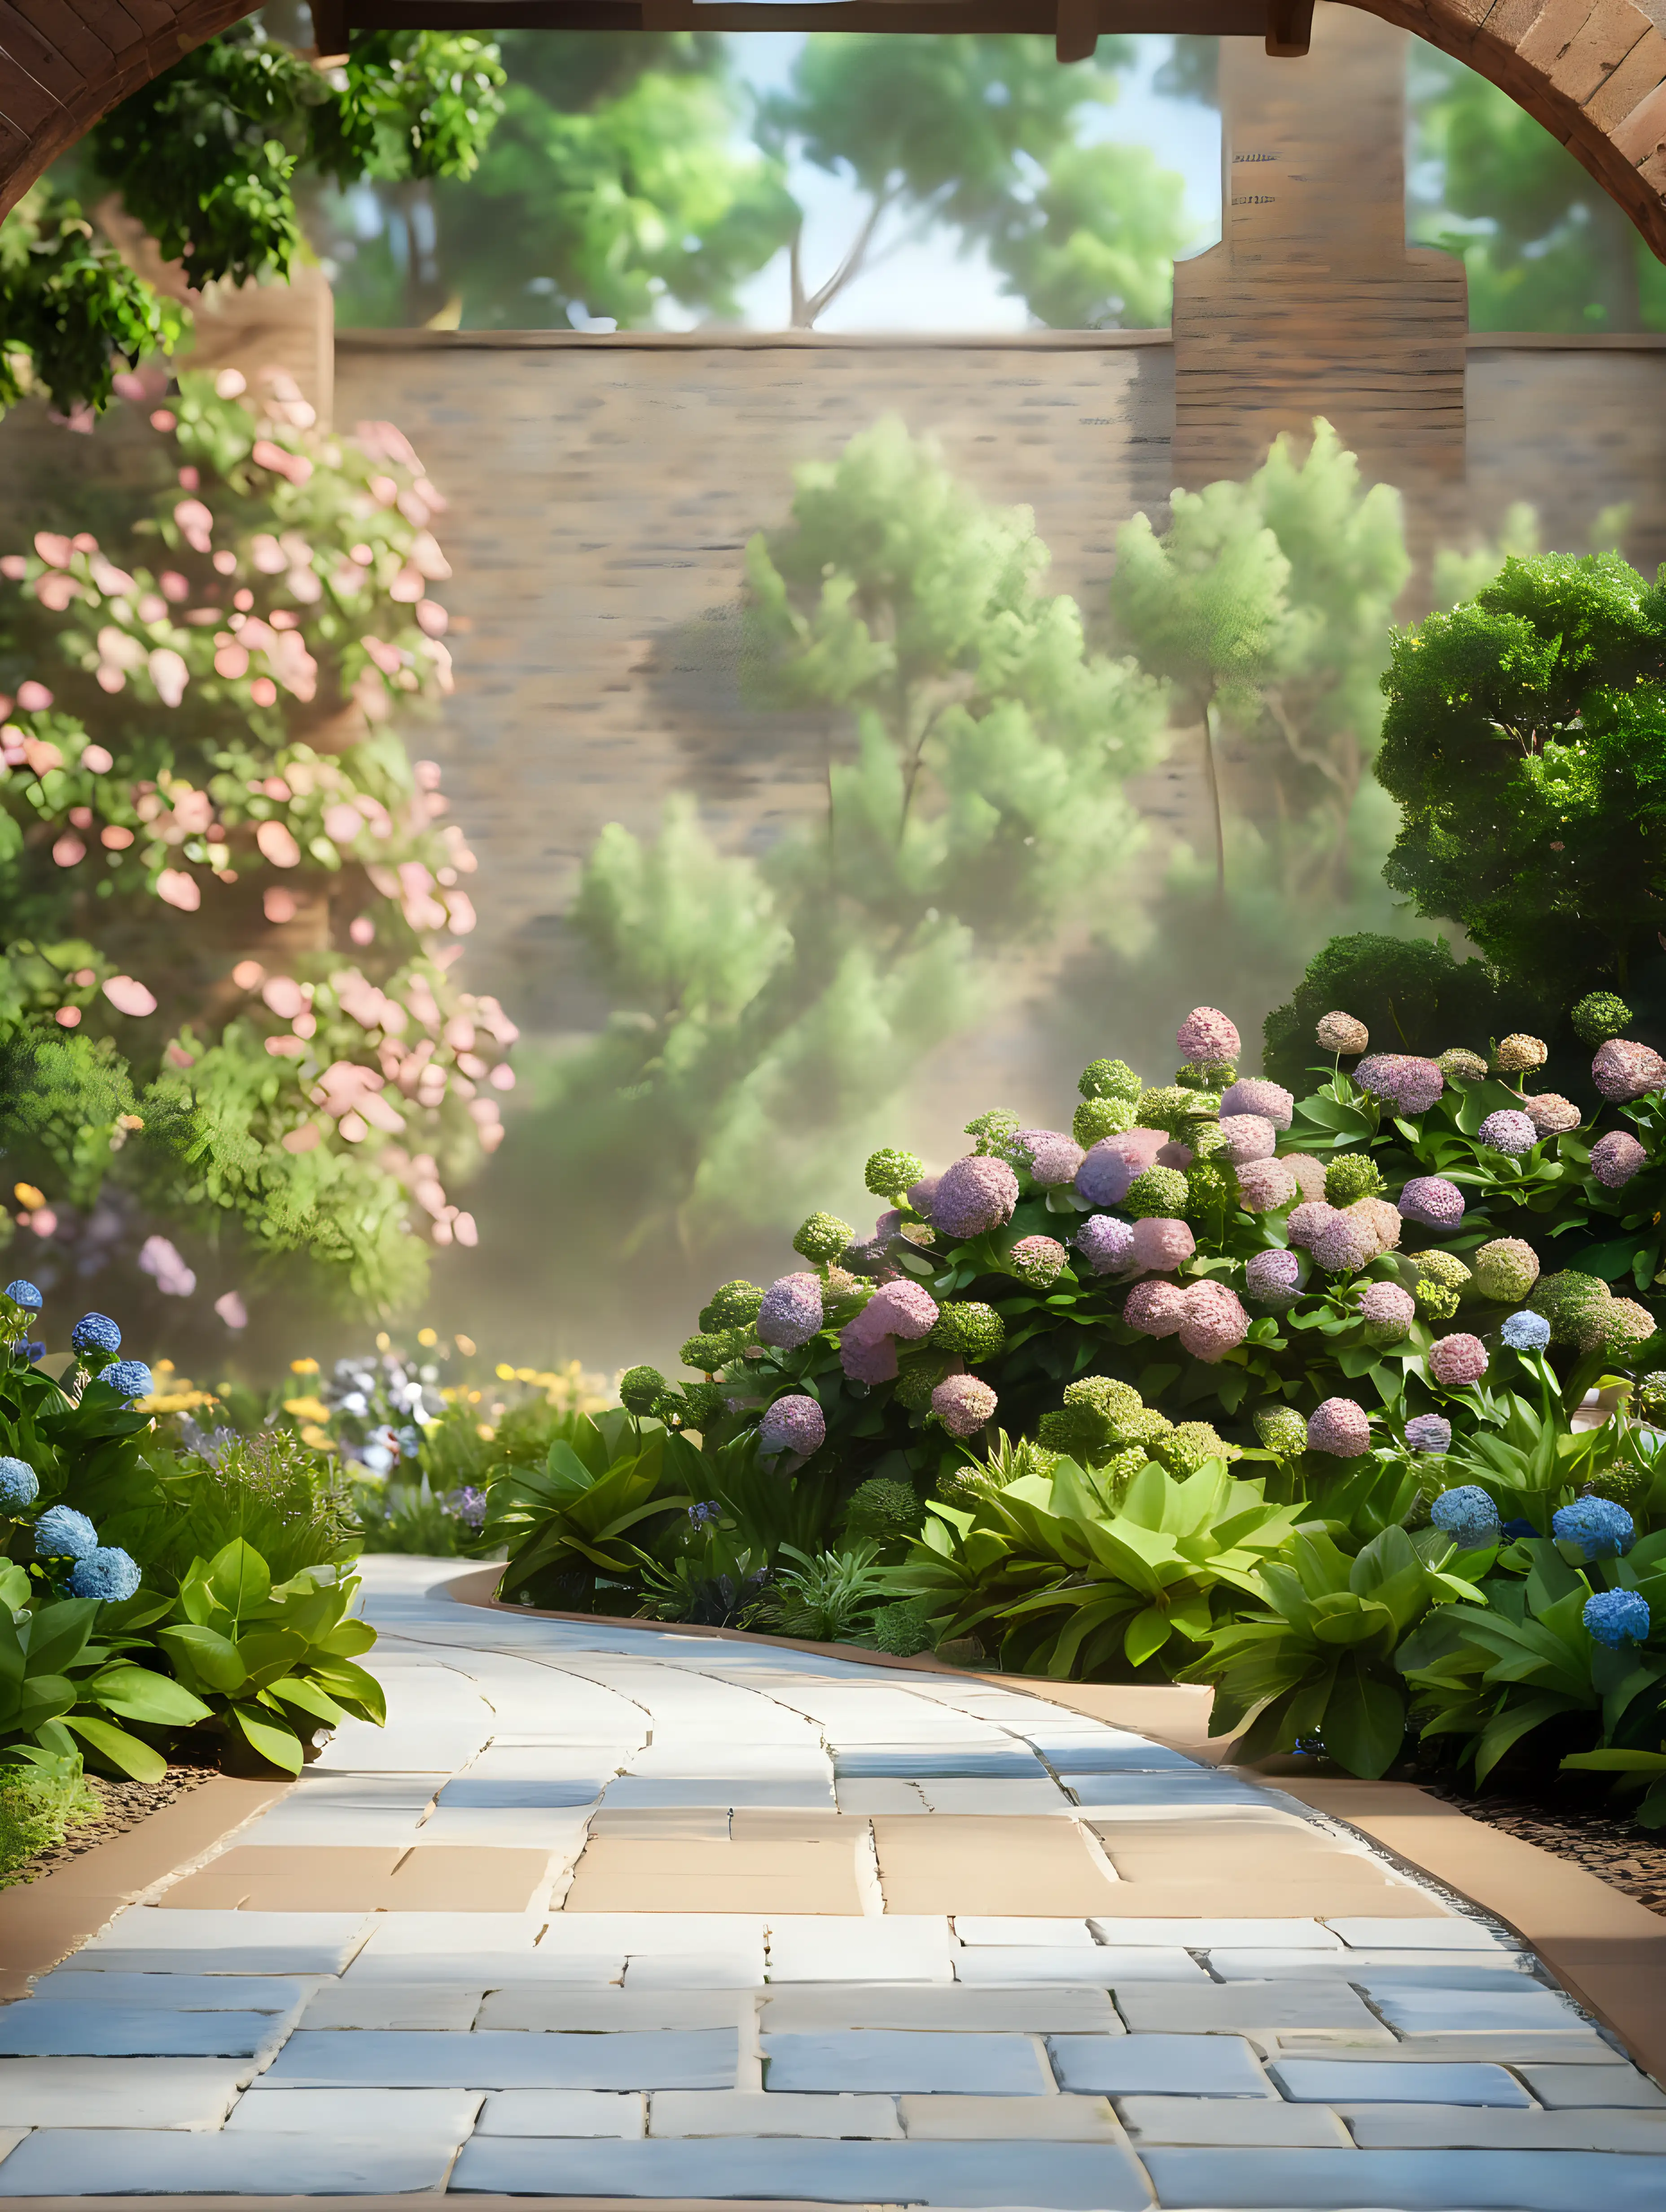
(608, 1912)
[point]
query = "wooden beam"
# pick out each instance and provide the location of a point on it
(1289, 28)
(1078, 33)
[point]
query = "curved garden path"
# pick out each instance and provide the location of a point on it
(610, 1912)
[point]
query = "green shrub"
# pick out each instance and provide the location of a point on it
(38, 1806)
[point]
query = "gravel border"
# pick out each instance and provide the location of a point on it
(126, 1804)
(1603, 1841)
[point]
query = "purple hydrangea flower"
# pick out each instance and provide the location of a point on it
(1433, 1201)
(1155, 1309)
(1248, 1137)
(1254, 1094)
(1342, 1245)
(1615, 1158)
(1386, 1307)
(1509, 1130)
(791, 1313)
(795, 1424)
(1264, 1185)
(977, 1193)
(1105, 1243)
(1340, 1428)
(1213, 1323)
(1054, 1157)
(1401, 1080)
(1273, 1278)
(964, 1404)
(1110, 1165)
(1429, 1433)
(921, 1194)
(1622, 1070)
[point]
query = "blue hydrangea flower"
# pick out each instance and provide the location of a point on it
(61, 1533)
(1429, 1433)
(19, 1485)
(1467, 1516)
(710, 1511)
(131, 1377)
(1617, 1616)
(107, 1573)
(24, 1295)
(96, 1332)
(1526, 1332)
(1601, 1529)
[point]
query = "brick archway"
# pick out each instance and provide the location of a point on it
(1593, 75)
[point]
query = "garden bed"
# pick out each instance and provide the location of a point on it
(1604, 1843)
(126, 1805)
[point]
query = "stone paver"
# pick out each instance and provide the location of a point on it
(620, 1913)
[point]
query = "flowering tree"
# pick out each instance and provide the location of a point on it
(232, 900)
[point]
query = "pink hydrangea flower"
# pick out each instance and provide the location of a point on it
(1161, 1245)
(1458, 1360)
(1401, 1080)
(1174, 1154)
(1254, 1094)
(1341, 1033)
(920, 1194)
(1208, 1038)
(1110, 1165)
(1389, 1310)
(1380, 1219)
(1615, 1158)
(1623, 1070)
(1039, 1260)
(1273, 1278)
(902, 1308)
(791, 1313)
(977, 1192)
(1265, 1185)
(1308, 1218)
(1105, 1243)
(1339, 1428)
(1054, 1157)
(1213, 1323)
(1248, 1136)
(964, 1404)
(1155, 1309)
(866, 1358)
(1309, 1171)
(1509, 1131)
(1342, 1245)
(1431, 1201)
(1551, 1113)
(795, 1424)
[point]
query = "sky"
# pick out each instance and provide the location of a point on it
(928, 285)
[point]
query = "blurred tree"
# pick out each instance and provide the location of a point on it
(765, 1007)
(1267, 605)
(206, 157)
(1545, 246)
(981, 135)
(614, 186)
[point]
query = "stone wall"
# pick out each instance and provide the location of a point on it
(602, 491)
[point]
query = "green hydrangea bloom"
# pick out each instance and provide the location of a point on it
(1435, 1301)
(966, 1485)
(1613, 1327)
(1506, 1270)
(1562, 1297)
(822, 1237)
(1098, 1118)
(970, 1329)
(1651, 1396)
(1200, 1107)
(1214, 1076)
(1625, 1486)
(1282, 1430)
(1163, 1107)
(994, 1132)
(889, 1172)
(1117, 1469)
(903, 1628)
(641, 1389)
(693, 1407)
(1206, 1138)
(1210, 1187)
(710, 1349)
(1460, 1064)
(1443, 1267)
(1148, 1427)
(884, 1509)
(1160, 1194)
(1186, 1448)
(1599, 1015)
(1350, 1175)
(919, 1376)
(735, 1305)
(1112, 1402)
(1109, 1078)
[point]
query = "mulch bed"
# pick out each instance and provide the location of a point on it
(1610, 1845)
(126, 1804)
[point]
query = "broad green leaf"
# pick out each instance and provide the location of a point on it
(239, 1579)
(204, 1652)
(1365, 1722)
(139, 1694)
(265, 1733)
(124, 1750)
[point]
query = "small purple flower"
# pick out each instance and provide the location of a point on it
(1388, 1310)
(1254, 1094)
(1054, 1157)
(791, 1313)
(467, 1505)
(708, 1510)
(1433, 1201)
(1273, 1278)
(1509, 1130)
(964, 1404)
(1105, 1243)
(1401, 1080)
(1340, 1428)
(1429, 1433)
(1615, 1158)
(795, 1424)
(977, 1193)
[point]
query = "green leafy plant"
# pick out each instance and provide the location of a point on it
(40, 1804)
(271, 1662)
(830, 1597)
(573, 1528)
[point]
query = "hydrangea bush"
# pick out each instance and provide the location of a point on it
(233, 900)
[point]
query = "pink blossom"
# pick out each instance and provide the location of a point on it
(1208, 1038)
(865, 1357)
(1551, 1113)
(196, 524)
(96, 760)
(278, 846)
(1176, 1155)
(232, 1310)
(128, 997)
(1341, 1033)
(976, 1194)
(793, 1423)
(1214, 1322)
(1404, 1082)
(1253, 1094)
(1379, 1219)
(1248, 1136)
(1155, 1309)
(69, 850)
(791, 1313)
(1162, 1245)
(1308, 1218)
(1433, 1201)
(1054, 1157)
(1387, 1308)
(1272, 1278)
(284, 996)
(1341, 1245)
(1111, 1165)
(1265, 1185)
(33, 698)
(1105, 1243)
(160, 1260)
(902, 1308)
(1309, 1171)
(1622, 1070)
(1615, 1158)
(1340, 1428)
(964, 1404)
(177, 887)
(1457, 1360)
